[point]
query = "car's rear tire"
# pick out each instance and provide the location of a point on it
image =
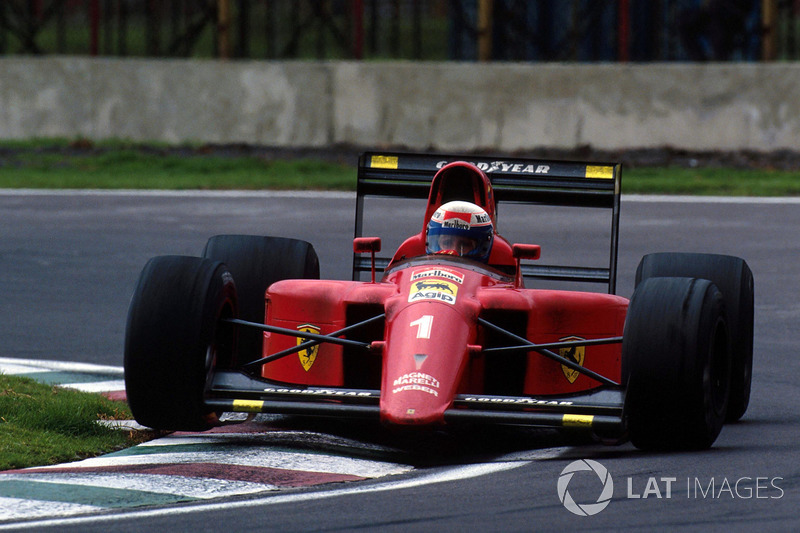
(256, 263)
(174, 338)
(675, 364)
(735, 280)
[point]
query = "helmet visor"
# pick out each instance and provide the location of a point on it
(458, 242)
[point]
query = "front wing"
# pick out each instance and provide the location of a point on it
(599, 411)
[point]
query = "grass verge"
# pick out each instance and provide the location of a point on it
(711, 181)
(42, 425)
(119, 166)
(62, 164)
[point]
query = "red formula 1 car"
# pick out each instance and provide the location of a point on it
(443, 335)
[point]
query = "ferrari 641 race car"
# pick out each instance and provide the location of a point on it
(440, 334)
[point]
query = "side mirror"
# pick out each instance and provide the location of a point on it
(524, 251)
(364, 245)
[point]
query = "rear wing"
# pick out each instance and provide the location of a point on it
(519, 180)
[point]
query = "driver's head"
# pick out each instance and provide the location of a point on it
(460, 228)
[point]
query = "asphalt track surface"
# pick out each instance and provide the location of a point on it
(69, 262)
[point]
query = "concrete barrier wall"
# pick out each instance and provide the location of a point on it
(438, 106)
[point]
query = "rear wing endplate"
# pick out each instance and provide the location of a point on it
(519, 180)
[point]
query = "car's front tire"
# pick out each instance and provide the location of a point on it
(675, 364)
(174, 337)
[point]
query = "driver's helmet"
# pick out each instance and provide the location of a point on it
(460, 228)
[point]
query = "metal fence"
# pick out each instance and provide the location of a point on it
(486, 30)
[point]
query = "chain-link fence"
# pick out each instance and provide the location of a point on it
(490, 30)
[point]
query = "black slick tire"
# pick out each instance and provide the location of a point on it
(675, 364)
(734, 279)
(256, 263)
(175, 337)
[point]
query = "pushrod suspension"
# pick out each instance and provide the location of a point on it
(555, 345)
(549, 354)
(313, 339)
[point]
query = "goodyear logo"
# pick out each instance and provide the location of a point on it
(433, 289)
(383, 161)
(308, 355)
(573, 353)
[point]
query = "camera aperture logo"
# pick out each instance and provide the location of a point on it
(585, 509)
(664, 487)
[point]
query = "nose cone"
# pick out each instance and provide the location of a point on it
(414, 399)
(424, 358)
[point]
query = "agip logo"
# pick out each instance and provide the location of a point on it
(433, 289)
(585, 509)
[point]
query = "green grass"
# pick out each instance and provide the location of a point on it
(65, 164)
(41, 424)
(135, 167)
(711, 181)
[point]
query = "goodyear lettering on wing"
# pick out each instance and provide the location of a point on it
(319, 392)
(517, 401)
(438, 273)
(433, 289)
(508, 167)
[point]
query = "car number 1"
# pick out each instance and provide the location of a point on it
(424, 325)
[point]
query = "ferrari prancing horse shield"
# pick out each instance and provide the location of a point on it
(576, 354)
(308, 355)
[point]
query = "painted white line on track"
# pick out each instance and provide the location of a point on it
(125, 425)
(449, 475)
(663, 198)
(14, 368)
(96, 386)
(63, 366)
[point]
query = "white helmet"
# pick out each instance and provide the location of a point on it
(460, 228)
